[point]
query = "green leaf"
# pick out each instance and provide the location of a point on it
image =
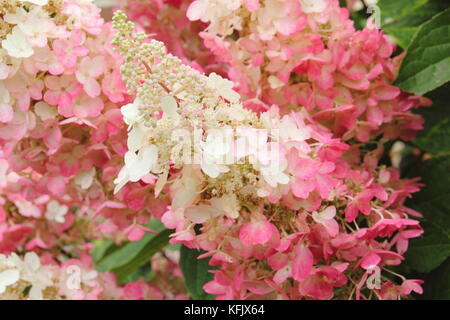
(429, 251)
(196, 273)
(395, 9)
(128, 258)
(427, 63)
(435, 137)
(143, 272)
(101, 249)
(402, 22)
(403, 35)
(153, 246)
(437, 283)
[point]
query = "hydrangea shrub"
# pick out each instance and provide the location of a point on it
(251, 133)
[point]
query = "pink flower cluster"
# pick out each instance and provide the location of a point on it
(62, 139)
(307, 52)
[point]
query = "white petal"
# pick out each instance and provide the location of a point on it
(169, 105)
(32, 260)
(7, 278)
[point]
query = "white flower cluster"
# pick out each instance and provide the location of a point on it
(16, 275)
(174, 98)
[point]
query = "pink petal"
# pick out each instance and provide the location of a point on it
(253, 233)
(302, 263)
(53, 138)
(92, 87)
(252, 5)
(51, 97)
(370, 261)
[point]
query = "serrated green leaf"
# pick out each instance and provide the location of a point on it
(429, 251)
(427, 63)
(196, 273)
(402, 22)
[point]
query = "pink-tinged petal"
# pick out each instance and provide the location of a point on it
(386, 92)
(351, 212)
(107, 227)
(53, 138)
(412, 285)
(375, 115)
(213, 287)
(51, 97)
(56, 69)
(327, 167)
(4, 71)
(302, 188)
(56, 185)
(375, 72)
(23, 101)
(257, 60)
(6, 112)
(324, 184)
(68, 61)
(306, 168)
(316, 288)
(65, 100)
(136, 233)
(59, 46)
(252, 5)
(282, 274)
(52, 82)
(302, 263)
(36, 92)
(288, 26)
(91, 87)
(169, 220)
(78, 37)
(253, 233)
(80, 51)
(88, 108)
(278, 260)
(75, 89)
(199, 214)
(65, 110)
(257, 287)
(402, 245)
(328, 213)
(370, 261)
(332, 227)
(97, 66)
